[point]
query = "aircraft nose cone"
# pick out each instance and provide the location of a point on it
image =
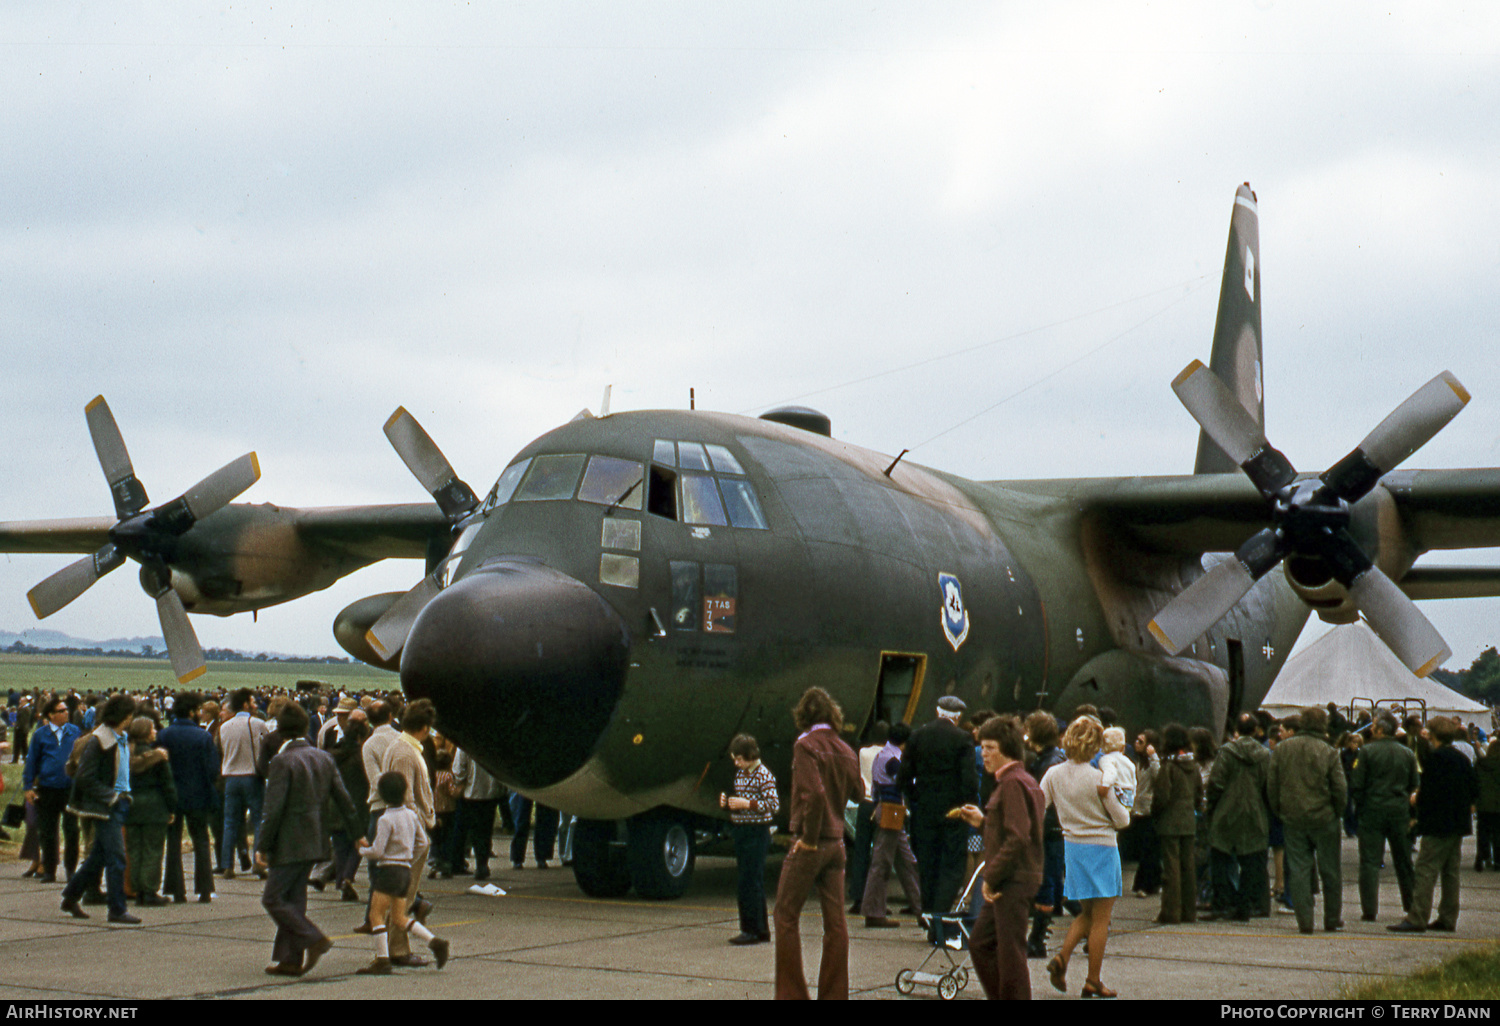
(525, 666)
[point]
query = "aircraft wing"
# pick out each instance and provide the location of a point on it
(77, 535)
(373, 532)
(1435, 509)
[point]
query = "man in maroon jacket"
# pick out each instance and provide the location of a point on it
(825, 774)
(1012, 821)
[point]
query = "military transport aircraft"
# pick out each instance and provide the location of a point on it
(639, 587)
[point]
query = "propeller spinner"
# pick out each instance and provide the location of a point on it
(147, 536)
(457, 501)
(1311, 517)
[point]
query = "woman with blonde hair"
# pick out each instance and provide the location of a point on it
(1089, 822)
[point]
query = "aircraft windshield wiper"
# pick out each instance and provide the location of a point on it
(624, 495)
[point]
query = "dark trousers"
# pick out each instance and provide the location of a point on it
(801, 872)
(941, 846)
(1487, 838)
(998, 945)
(1148, 869)
(1241, 885)
(859, 854)
(196, 821)
(106, 858)
(1179, 880)
(751, 843)
(546, 830)
(1377, 827)
(478, 830)
(345, 857)
(51, 807)
(285, 901)
(1312, 849)
(145, 843)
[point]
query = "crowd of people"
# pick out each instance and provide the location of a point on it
(1007, 823)
(1036, 812)
(296, 786)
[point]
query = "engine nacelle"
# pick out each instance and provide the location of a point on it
(1313, 581)
(350, 626)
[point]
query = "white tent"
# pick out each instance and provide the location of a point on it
(1351, 666)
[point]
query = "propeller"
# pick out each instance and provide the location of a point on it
(456, 499)
(1311, 517)
(147, 536)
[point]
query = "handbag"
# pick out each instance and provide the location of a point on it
(890, 815)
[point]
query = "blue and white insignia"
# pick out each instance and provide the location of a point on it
(955, 617)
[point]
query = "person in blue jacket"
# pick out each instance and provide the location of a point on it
(47, 783)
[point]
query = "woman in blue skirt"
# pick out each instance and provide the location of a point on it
(1089, 815)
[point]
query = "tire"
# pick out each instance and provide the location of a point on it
(961, 974)
(904, 983)
(948, 988)
(661, 851)
(599, 864)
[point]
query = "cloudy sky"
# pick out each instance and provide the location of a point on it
(264, 227)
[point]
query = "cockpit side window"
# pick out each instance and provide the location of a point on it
(700, 501)
(505, 487)
(690, 456)
(613, 482)
(739, 499)
(724, 461)
(550, 477)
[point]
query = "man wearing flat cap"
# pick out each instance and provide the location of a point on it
(938, 774)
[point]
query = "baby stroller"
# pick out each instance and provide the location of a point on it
(946, 933)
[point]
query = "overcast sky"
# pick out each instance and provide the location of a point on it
(264, 228)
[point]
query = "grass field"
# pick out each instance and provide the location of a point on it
(1472, 975)
(103, 673)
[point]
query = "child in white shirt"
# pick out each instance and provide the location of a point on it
(1118, 770)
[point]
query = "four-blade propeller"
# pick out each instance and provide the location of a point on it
(148, 536)
(1311, 517)
(457, 500)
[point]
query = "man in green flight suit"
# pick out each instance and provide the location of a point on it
(1382, 783)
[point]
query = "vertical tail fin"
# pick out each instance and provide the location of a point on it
(1236, 356)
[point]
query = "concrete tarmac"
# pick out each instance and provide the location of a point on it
(546, 940)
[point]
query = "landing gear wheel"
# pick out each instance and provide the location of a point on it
(948, 987)
(599, 863)
(904, 982)
(661, 851)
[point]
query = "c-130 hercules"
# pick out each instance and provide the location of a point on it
(637, 588)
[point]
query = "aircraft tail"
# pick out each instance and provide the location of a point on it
(1236, 356)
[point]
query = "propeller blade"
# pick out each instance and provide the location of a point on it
(1409, 427)
(210, 495)
(129, 495)
(1201, 605)
(182, 641)
(73, 580)
(1232, 428)
(388, 634)
(1398, 622)
(425, 460)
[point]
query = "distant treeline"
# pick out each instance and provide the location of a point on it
(213, 655)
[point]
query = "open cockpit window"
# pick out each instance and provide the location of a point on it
(691, 495)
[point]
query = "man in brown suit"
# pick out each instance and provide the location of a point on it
(1012, 822)
(825, 774)
(303, 785)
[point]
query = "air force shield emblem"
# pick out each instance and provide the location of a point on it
(955, 617)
